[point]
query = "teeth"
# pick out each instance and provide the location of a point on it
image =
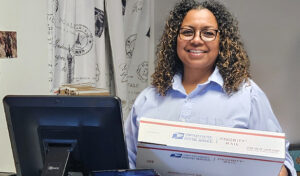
(196, 51)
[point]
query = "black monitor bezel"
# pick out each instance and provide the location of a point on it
(31, 101)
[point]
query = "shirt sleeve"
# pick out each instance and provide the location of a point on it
(263, 118)
(132, 127)
(131, 133)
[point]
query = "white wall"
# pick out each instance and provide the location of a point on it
(28, 74)
(270, 30)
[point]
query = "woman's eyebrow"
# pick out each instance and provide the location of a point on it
(205, 27)
(187, 26)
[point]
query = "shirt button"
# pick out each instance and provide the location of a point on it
(182, 119)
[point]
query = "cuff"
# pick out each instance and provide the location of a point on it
(290, 168)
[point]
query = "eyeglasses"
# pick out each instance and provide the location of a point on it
(206, 35)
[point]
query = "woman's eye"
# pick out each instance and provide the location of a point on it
(208, 33)
(187, 32)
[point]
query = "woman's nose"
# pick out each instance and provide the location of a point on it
(197, 38)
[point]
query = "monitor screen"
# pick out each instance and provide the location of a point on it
(53, 135)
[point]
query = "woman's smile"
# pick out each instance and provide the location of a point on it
(196, 52)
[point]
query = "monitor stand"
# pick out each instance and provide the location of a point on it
(56, 161)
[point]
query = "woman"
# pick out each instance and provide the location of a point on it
(202, 76)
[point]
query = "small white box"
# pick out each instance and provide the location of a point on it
(186, 149)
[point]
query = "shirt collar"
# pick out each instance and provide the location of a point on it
(214, 77)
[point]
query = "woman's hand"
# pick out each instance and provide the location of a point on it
(283, 171)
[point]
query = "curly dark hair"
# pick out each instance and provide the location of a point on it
(232, 61)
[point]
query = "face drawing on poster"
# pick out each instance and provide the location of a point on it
(130, 44)
(99, 22)
(142, 72)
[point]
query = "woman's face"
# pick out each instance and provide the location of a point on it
(196, 53)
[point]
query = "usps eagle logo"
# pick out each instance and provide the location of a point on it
(178, 135)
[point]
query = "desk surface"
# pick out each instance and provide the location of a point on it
(7, 174)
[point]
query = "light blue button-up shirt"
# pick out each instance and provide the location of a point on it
(209, 104)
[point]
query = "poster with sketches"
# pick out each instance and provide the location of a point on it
(8, 44)
(76, 44)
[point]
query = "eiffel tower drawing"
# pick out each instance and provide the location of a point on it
(71, 65)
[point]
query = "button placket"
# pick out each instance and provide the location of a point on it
(186, 111)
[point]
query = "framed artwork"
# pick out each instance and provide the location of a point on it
(8, 44)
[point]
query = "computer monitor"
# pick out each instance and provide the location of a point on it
(56, 135)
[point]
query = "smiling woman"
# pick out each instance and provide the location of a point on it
(232, 60)
(202, 72)
(198, 54)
